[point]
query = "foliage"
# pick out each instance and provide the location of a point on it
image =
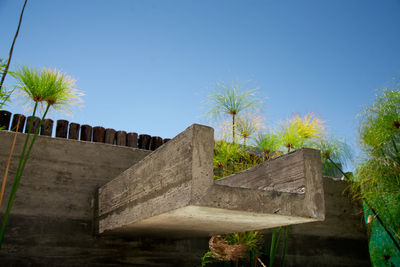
(206, 258)
(297, 130)
(276, 235)
(48, 86)
(231, 100)
(308, 126)
(248, 124)
(230, 158)
(269, 143)
(291, 139)
(377, 179)
(4, 66)
(55, 90)
(4, 93)
(251, 239)
(334, 153)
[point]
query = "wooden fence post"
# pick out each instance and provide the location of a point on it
(73, 132)
(47, 127)
(86, 133)
(121, 138)
(155, 142)
(15, 121)
(35, 125)
(98, 134)
(62, 128)
(5, 118)
(144, 141)
(132, 140)
(109, 136)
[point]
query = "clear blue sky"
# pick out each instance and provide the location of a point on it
(146, 66)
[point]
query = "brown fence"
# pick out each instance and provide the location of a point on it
(65, 129)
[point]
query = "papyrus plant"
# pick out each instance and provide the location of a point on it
(44, 89)
(231, 100)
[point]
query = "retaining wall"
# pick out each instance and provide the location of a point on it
(51, 221)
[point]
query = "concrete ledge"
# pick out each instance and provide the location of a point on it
(172, 191)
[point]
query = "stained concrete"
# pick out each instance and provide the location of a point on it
(51, 223)
(172, 191)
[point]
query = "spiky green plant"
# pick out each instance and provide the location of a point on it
(248, 124)
(206, 258)
(297, 130)
(48, 87)
(269, 143)
(4, 93)
(308, 126)
(231, 100)
(334, 153)
(230, 158)
(377, 179)
(251, 239)
(290, 137)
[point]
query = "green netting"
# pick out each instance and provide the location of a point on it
(383, 251)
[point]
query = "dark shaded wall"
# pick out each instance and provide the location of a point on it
(51, 221)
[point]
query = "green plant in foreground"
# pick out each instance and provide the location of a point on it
(276, 235)
(46, 87)
(4, 94)
(377, 178)
(206, 258)
(231, 100)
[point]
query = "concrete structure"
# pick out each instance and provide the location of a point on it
(51, 223)
(173, 191)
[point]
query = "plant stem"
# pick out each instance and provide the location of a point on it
(394, 145)
(18, 178)
(384, 226)
(285, 245)
(233, 128)
(21, 157)
(33, 140)
(3, 184)
(260, 262)
(12, 47)
(271, 250)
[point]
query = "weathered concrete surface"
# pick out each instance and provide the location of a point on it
(174, 176)
(340, 240)
(71, 169)
(51, 223)
(172, 191)
(56, 229)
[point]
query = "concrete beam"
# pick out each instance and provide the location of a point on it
(172, 191)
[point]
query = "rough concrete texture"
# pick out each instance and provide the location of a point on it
(340, 240)
(71, 171)
(51, 222)
(172, 191)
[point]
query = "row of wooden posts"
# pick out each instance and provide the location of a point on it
(75, 131)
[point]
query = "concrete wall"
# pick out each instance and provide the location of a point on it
(51, 221)
(340, 240)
